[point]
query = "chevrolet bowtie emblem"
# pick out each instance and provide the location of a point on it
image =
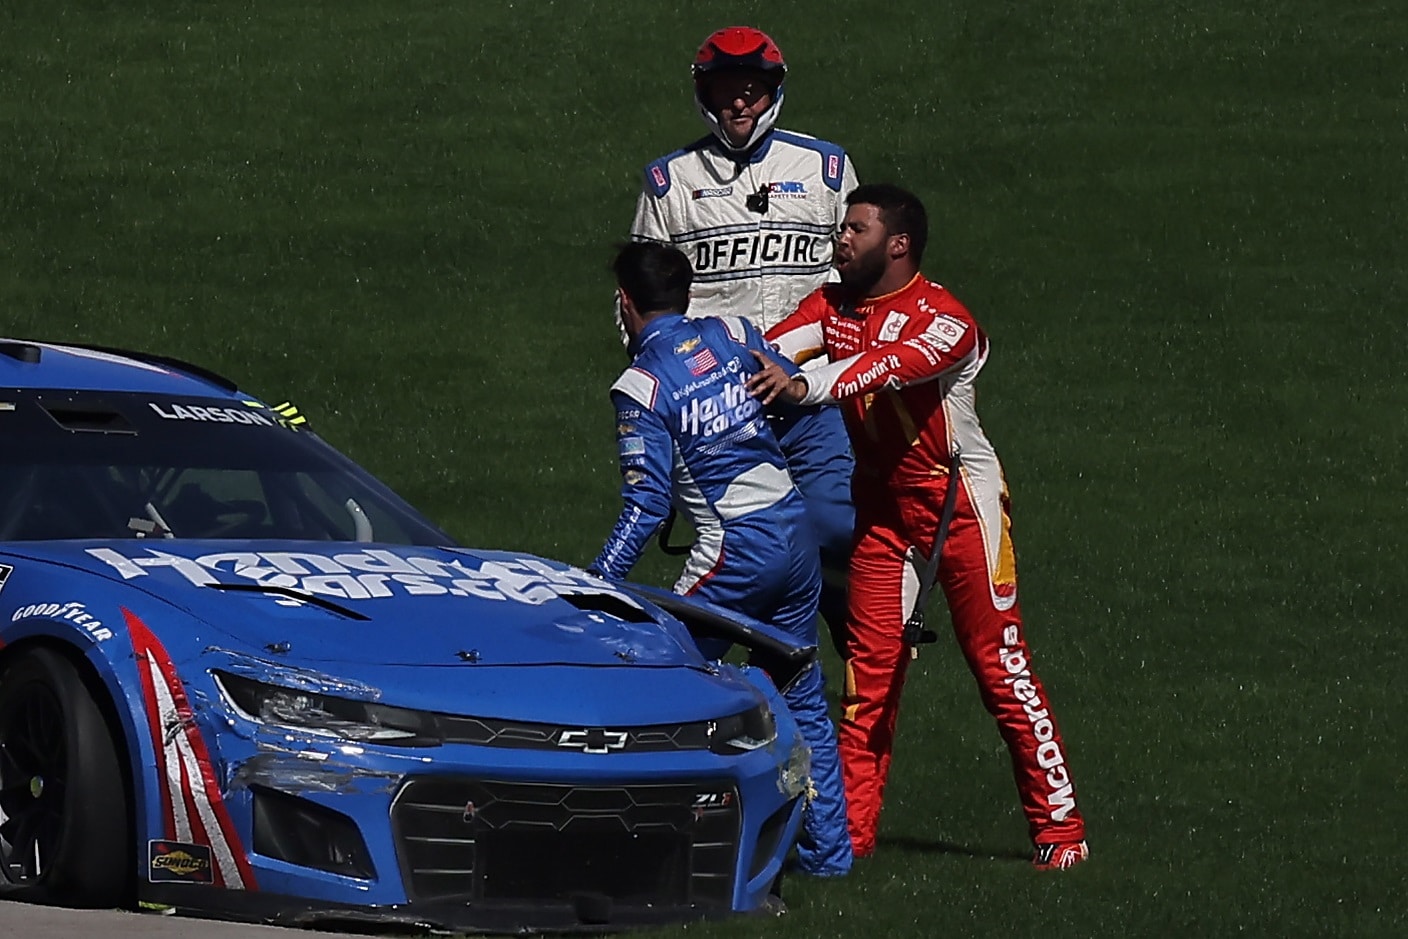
(593, 740)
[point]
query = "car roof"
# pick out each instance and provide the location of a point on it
(85, 367)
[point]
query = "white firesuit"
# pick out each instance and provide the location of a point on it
(754, 255)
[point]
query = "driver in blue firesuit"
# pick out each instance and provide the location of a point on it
(689, 432)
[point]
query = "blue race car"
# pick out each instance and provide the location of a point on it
(239, 677)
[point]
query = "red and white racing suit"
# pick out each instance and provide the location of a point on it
(903, 367)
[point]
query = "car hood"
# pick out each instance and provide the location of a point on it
(388, 604)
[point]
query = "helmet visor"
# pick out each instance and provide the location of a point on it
(729, 87)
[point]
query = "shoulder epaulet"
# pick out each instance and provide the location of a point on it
(657, 171)
(638, 385)
(833, 157)
(657, 175)
(737, 328)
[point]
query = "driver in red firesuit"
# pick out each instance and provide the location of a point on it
(905, 355)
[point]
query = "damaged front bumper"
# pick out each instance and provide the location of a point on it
(343, 829)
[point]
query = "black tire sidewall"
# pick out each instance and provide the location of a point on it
(92, 866)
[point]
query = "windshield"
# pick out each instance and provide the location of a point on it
(135, 465)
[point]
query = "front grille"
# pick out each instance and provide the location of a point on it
(527, 736)
(635, 845)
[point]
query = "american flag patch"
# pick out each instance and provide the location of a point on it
(702, 363)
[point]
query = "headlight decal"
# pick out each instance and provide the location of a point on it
(745, 732)
(314, 712)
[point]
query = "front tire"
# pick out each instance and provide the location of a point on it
(64, 818)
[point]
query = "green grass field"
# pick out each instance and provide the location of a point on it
(1182, 225)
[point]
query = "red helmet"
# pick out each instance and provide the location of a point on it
(739, 47)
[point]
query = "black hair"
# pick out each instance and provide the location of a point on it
(655, 276)
(901, 213)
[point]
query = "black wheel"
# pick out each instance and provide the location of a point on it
(64, 828)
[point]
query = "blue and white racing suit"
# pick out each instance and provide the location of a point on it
(690, 433)
(759, 262)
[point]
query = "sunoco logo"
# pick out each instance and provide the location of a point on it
(178, 861)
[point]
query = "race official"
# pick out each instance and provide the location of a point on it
(755, 209)
(689, 433)
(904, 359)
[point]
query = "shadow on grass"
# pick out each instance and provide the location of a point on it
(927, 846)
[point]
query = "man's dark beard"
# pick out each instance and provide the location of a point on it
(864, 271)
